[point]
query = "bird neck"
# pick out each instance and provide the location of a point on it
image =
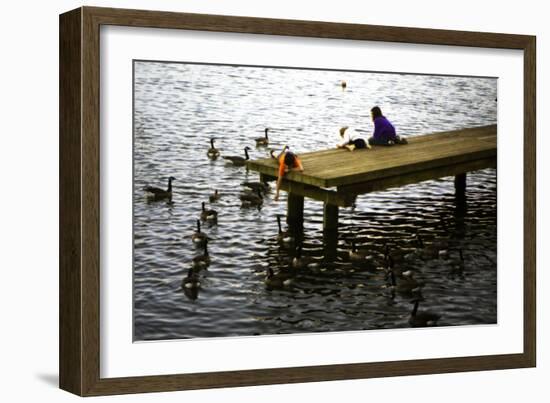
(203, 208)
(415, 309)
(169, 184)
(266, 130)
(246, 154)
(392, 277)
(212, 143)
(279, 224)
(198, 226)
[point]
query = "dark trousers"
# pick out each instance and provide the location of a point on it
(359, 143)
(384, 142)
(378, 142)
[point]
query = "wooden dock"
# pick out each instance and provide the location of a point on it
(337, 176)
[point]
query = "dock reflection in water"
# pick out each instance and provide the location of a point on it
(179, 107)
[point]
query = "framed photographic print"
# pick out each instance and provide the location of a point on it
(249, 201)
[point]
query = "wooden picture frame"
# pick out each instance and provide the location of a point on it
(79, 346)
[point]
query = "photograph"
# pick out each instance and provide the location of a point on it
(273, 200)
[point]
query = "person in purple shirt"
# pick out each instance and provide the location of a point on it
(384, 132)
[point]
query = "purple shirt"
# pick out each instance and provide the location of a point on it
(383, 129)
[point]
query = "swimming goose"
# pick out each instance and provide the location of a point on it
(212, 152)
(406, 285)
(158, 193)
(298, 261)
(262, 141)
(202, 261)
(273, 281)
(355, 255)
(283, 237)
(191, 281)
(199, 238)
(262, 186)
(251, 199)
(208, 215)
(422, 319)
(215, 197)
(276, 157)
(237, 160)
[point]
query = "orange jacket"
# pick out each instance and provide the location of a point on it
(296, 163)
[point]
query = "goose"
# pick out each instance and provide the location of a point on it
(237, 160)
(398, 255)
(262, 141)
(406, 285)
(419, 249)
(431, 251)
(283, 237)
(191, 281)
(208, 215)
(158, 193)
(262, 186)
(343, 84)
(202, 261)
(215, 197)
(422, 319)
(298, 261)
(191, 293)
(273, 281)
(212, 152)
(199, 238)
(276, 157)
(251, 199)
(355, 255)
(398, 271)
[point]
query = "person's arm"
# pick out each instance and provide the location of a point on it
(298, 165)
(377, 129)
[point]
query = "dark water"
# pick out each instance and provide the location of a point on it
(178, 107)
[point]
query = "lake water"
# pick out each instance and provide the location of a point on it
(179, 107)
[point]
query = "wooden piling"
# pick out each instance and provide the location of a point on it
(460, 186)
(295, 214)
(330, 231)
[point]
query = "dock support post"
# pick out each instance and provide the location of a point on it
(295, 215)
(330, 231)
(460, 187)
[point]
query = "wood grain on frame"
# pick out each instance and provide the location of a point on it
(79, 200)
